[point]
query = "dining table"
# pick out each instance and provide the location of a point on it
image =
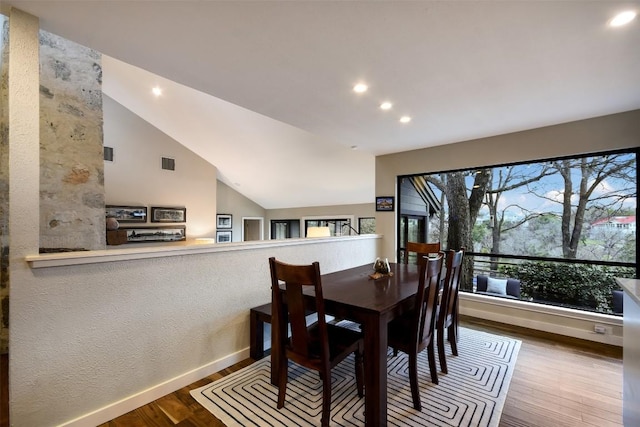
(352, 294)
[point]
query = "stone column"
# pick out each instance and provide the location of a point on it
(72, 215)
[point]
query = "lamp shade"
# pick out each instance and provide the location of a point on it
(318, 232)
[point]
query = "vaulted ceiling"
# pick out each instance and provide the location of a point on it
(263, 89)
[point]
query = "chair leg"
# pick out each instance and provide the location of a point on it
(441, 355)
(282, 381)
(413, 380)
(453, 338)
(326, 398)
(431, 356)
(359, 373)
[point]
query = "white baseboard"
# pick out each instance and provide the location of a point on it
(144, 397)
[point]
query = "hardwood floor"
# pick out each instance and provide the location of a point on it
(557, 382)
(561, 381)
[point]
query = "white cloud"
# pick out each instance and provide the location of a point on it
(603, 188)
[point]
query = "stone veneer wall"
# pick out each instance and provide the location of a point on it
(4, 185)
(72, 198)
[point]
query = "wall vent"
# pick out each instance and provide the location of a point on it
(168, 164)
(108, 154)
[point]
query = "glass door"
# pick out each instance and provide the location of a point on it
(412, 229)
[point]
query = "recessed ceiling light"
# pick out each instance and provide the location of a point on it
(623, 18)
(360, 88)
(156, 91)
(386, 105)
(405, 119)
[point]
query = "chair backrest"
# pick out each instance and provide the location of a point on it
(289, 305)
(451, 284)
(424, 313)
(421, 249)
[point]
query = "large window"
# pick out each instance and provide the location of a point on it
(366, 225)
(285, 228)
(337, 226)
(565, 220)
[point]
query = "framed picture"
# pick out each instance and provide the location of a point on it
(223, 221)
(223, 236)
(168, 214)
(384, 203)
(127, 213)
(156, 234)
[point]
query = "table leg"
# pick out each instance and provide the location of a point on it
(256, 336)
(375, 366)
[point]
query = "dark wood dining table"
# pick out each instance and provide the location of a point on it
(351, 294)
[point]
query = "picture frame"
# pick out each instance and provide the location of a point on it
(223, 236)
(162, 214)
(156, 234)
(224, 221)
(385, 204)
(126, 214)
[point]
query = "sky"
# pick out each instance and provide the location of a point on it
(545, 195)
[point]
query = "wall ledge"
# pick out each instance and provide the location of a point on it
(135, 251)
(542, 308)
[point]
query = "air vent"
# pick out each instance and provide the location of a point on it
(168, 164)
(108, 154)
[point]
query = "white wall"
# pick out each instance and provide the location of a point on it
(85, 337)
(229, 201)
(136, 178)
(631, 354)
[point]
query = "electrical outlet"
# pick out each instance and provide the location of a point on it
(599, 329)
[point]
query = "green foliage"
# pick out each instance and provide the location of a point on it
(479, 232)
(574, 285)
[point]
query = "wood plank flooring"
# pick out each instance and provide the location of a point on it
(557, 382)
(560, 381)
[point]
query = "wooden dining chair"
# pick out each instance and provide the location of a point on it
(319, 346)
(448, 307)
(414, 331)
(420, 249)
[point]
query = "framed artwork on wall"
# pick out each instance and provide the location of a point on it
(223, 221)
(159, 214)
(126, 213)
(223, 236)
(384, 203)
(156, 234)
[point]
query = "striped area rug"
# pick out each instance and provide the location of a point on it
(471, 394)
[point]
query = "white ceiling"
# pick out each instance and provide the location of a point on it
(262, 89)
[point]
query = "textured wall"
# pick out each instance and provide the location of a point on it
(71, 158)
(132, 325)
(4, 184)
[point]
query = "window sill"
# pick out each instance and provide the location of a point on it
(542, 308)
